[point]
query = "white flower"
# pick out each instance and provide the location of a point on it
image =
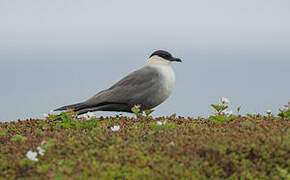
(31, 155)
(225, 100)
(228, 112)
(269, 111)
(45, 115)
(171, 143)
(115, 128)
(40, 151)
(160, 123)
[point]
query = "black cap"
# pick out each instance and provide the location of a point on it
(165, 55)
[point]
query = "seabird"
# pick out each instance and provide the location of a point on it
(149, 86)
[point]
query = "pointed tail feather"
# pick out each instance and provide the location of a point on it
(74, 107)
(82, 108)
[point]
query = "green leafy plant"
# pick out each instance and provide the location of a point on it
(219, 119)
(171, 147)
(253, 116)
(19, 138)
(69, 120)
(3, 132)
(139, 114)
(66, 121)
(220, 114)
(219, 108)
(239, 109)
(282, 173)
(284, 113)
(136, 110)
(148, 112)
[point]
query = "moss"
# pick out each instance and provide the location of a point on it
(252, 147)
(19, 138)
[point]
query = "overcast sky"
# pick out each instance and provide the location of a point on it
(60, 52)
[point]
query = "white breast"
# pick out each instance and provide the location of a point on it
(168, 77)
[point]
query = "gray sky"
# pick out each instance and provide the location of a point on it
(59, 52)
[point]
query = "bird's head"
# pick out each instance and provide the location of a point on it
(162, 57)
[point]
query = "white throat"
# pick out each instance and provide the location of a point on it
(164, 68)
(158, 61)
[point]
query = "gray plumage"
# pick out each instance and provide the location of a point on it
(138, 87)
(146, 86)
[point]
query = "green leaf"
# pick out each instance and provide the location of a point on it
(216, 107)
(135, 110)
(250, 115)
(173, 116)
(148, 112)
(224, 107)
(219, 119)
(219, 108)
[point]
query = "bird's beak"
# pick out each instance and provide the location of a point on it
(176, 59)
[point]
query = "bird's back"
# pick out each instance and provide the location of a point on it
(144, 86)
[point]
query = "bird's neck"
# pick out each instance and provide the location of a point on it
(158, 61)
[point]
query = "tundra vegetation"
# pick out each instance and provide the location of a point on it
(225, 145)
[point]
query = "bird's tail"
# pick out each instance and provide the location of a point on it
(74, 107)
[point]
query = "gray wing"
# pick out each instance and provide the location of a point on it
(128, 91)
